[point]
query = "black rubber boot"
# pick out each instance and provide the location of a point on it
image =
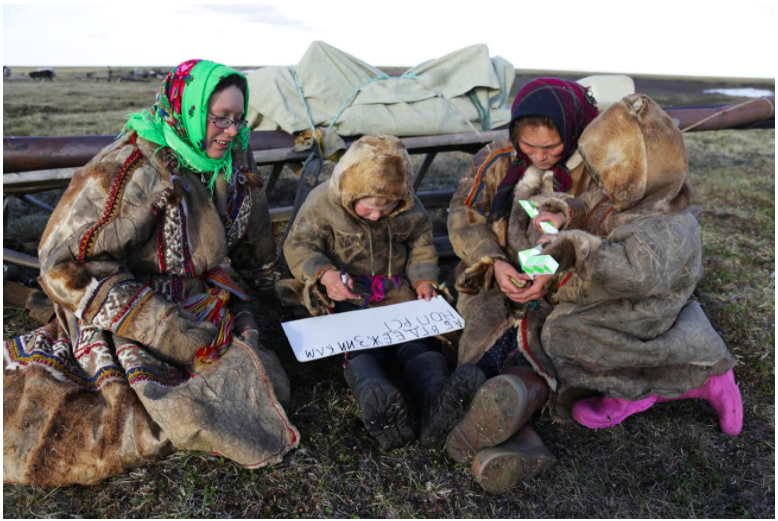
(444, 399)
(381, 404)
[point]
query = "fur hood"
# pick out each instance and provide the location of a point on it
(374, 166)
(638, 153)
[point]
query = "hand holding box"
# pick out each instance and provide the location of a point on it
(533, 263)
(533, 212)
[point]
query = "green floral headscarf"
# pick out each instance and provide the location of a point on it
(178, 118)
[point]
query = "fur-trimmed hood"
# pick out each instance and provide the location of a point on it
(374, 166)
(638, 153)
(328, 234)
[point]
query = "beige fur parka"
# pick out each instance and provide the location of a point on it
(625, 321)
(328, 233)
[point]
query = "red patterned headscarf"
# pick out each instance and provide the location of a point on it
(571, 107)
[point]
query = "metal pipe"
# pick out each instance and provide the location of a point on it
(14, 257)
(737, 115)
(22, 154)
(34, 203)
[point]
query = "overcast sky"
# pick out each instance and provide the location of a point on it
(738, 39)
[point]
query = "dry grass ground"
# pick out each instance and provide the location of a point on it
(671, 461)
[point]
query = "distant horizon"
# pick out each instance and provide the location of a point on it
(756, 79)
(679, 40)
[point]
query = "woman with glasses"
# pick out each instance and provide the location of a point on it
(154, 347)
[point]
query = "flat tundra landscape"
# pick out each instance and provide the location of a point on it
(670, 461)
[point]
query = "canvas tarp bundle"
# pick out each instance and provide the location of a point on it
(435, 97)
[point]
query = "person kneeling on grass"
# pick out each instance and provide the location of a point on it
(365, 240)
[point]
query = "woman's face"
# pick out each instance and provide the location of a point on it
(225, 104)
(542, 145)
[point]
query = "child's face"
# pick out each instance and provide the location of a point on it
(374, 208)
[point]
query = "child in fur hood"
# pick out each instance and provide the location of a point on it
(364, 240)
(634, 254)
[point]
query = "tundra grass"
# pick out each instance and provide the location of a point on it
(670, 461)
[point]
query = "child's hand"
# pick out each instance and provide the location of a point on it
(426, 291)
(557, 220)
(336, 289)
(547, 237)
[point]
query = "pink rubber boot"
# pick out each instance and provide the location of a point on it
(720, 391)
(603, 412)
(723, 394)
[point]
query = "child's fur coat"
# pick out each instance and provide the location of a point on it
(624, 322)
(328, 233)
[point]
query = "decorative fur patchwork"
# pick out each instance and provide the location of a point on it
(237, 219)
(112, 204)
(169, 286)
(530, 347)
(478, 183)
(89, 365)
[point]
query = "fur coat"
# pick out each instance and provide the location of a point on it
(487, 311)
(328, 233)
(624, 321)
(111, 383)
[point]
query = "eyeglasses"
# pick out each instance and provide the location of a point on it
(223, 123)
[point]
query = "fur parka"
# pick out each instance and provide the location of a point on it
(113, 382)
(328, 233)
(488, 313)
(624, 321)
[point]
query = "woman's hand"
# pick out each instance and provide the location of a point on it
(426, 291)
(557, 220)
(508, 279)
(336, 289)
(534, 291)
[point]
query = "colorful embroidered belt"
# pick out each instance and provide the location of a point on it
(212, 307)
(377, 286)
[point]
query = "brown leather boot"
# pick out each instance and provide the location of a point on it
(500, 408)
(521, 457)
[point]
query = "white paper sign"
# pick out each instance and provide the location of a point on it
(320, 337)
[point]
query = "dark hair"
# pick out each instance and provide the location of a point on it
(233, 80)
(525, 122)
